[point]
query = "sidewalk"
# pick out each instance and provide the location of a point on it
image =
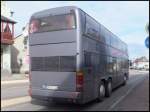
(137, 100)
(14, 78)
(133, 71)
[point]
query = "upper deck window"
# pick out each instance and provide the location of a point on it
(53, 23)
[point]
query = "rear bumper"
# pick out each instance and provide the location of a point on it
(46, 94)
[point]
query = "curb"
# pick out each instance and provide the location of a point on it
(14, 82)
(15, 101)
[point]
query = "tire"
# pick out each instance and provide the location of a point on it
(124, 80)
(101, 92)
(108, 88)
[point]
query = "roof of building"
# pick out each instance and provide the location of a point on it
(6, 19)
(141, 59)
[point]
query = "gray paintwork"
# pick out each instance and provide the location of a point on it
(73, 43)
(60, 79)
(54, 11)
(56, 43)
(65, 49)
(50, 37)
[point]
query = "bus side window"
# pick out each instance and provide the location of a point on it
(95, 61)
(70, 21)
(114, 64)
(83, 15)
(103, 63)
(109, 65)
(87, 57)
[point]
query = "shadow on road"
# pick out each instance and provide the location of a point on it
(50, 105)
(64, 106)
(76, 107)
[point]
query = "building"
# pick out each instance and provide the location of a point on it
(20, 57)
(5, 11)
(7, 38)
(141, 63)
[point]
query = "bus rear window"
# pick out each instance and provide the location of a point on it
(53, 23)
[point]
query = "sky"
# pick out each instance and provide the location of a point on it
(126, 19)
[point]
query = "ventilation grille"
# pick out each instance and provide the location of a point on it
(55, 63)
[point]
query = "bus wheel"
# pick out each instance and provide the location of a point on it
(101, 92)
(124, 80)
(108, 88)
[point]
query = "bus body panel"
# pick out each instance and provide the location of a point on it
(102, 54)
(44, 94)
(56, 82)
(61, 81)
(53, 37)
(64, 49)
(100, 57)
(54, 11)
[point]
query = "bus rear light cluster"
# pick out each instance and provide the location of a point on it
(79, 81)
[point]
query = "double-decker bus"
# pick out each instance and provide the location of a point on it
(73, 57)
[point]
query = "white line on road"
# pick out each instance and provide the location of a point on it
(122, 97)
(15, 101)
(14, 82)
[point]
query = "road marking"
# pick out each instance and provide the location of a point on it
(122, 97)
(14, 82)
(15, 101)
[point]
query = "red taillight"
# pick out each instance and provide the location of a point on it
(34, 26)
(79, 81)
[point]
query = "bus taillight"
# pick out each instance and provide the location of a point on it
(79, 81)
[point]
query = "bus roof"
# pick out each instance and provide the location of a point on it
(65, 9)
(54, 11)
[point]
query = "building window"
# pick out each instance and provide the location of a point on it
(7, 28)
(87, 56)
(25, 41)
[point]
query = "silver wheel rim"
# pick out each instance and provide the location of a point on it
(102, 90)
(125, 78)
(109, 87)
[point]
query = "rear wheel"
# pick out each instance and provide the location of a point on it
(101, 92)
(108, 88)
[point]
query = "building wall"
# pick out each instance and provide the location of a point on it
(19, 53)
(5, 48)
(6, 59)
(142, 64)
(5, 11)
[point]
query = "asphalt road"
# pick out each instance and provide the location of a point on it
(14, 90)
(118, 95)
